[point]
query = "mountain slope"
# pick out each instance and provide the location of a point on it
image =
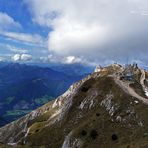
(107, 109)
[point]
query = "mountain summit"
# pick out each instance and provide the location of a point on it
(107, 109)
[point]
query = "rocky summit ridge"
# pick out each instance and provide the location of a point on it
(107, 109)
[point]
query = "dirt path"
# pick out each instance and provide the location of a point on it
(125, 86)
(142, 78)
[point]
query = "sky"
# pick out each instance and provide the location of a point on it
(74, 31)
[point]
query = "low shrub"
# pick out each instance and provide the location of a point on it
(93, 134)
(83, 133)
(114, 137)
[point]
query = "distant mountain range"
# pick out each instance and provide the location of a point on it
(68, 69)
(73, 69)
(25, 87)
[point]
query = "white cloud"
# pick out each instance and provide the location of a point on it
(66, 60)
(26, 57)
(16, 57)
(15, 49)
(29, 38)
(49, 59)
(71, 60)
(2, 59)
(96, 29)
(21, 57)
(6, 21)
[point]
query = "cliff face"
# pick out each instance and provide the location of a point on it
(107, 109)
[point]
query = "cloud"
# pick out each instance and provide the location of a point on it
(8, 24)
(7, 21)
(65, 60)
(15, 49)
(28, 38)
(16, 57)
(2, 59)
(97, 29)
(47, 59)
(26, 57)
(21, 57)
(71, 60)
